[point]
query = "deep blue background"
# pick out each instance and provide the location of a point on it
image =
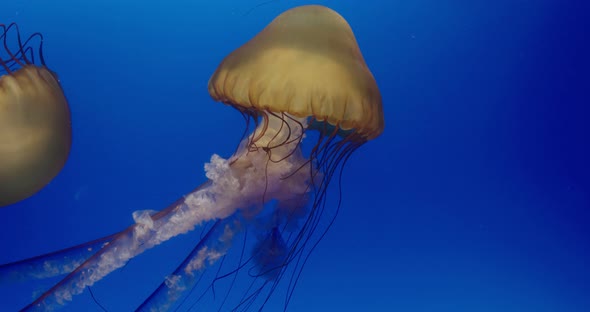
(475, 198)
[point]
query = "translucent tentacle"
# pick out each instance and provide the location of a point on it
(51, 264)
(210, 248)
(148, 231)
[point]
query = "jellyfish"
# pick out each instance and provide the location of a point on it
(35, 130)
(309, 101)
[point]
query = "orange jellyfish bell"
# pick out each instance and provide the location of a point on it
(35, 131)
(305, 63)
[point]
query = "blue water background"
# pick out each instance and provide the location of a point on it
(475, 198)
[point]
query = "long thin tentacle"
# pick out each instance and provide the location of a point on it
(52, 264)
(210, 248)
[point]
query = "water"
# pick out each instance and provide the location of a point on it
(475, 198)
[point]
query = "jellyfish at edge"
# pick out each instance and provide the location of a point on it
(35, 127)
(301, 78)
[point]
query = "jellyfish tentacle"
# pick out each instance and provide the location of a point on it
(212, 247)
(125, 245)
(60, 262)
(240, 182)
(7, 49)
(52, 264)
(348, 146)
(23, 55)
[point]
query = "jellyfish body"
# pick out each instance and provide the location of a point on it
(303, 72)
(35, 130)
(306, 63)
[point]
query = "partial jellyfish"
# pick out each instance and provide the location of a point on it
(35, 130)
(265, 209)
